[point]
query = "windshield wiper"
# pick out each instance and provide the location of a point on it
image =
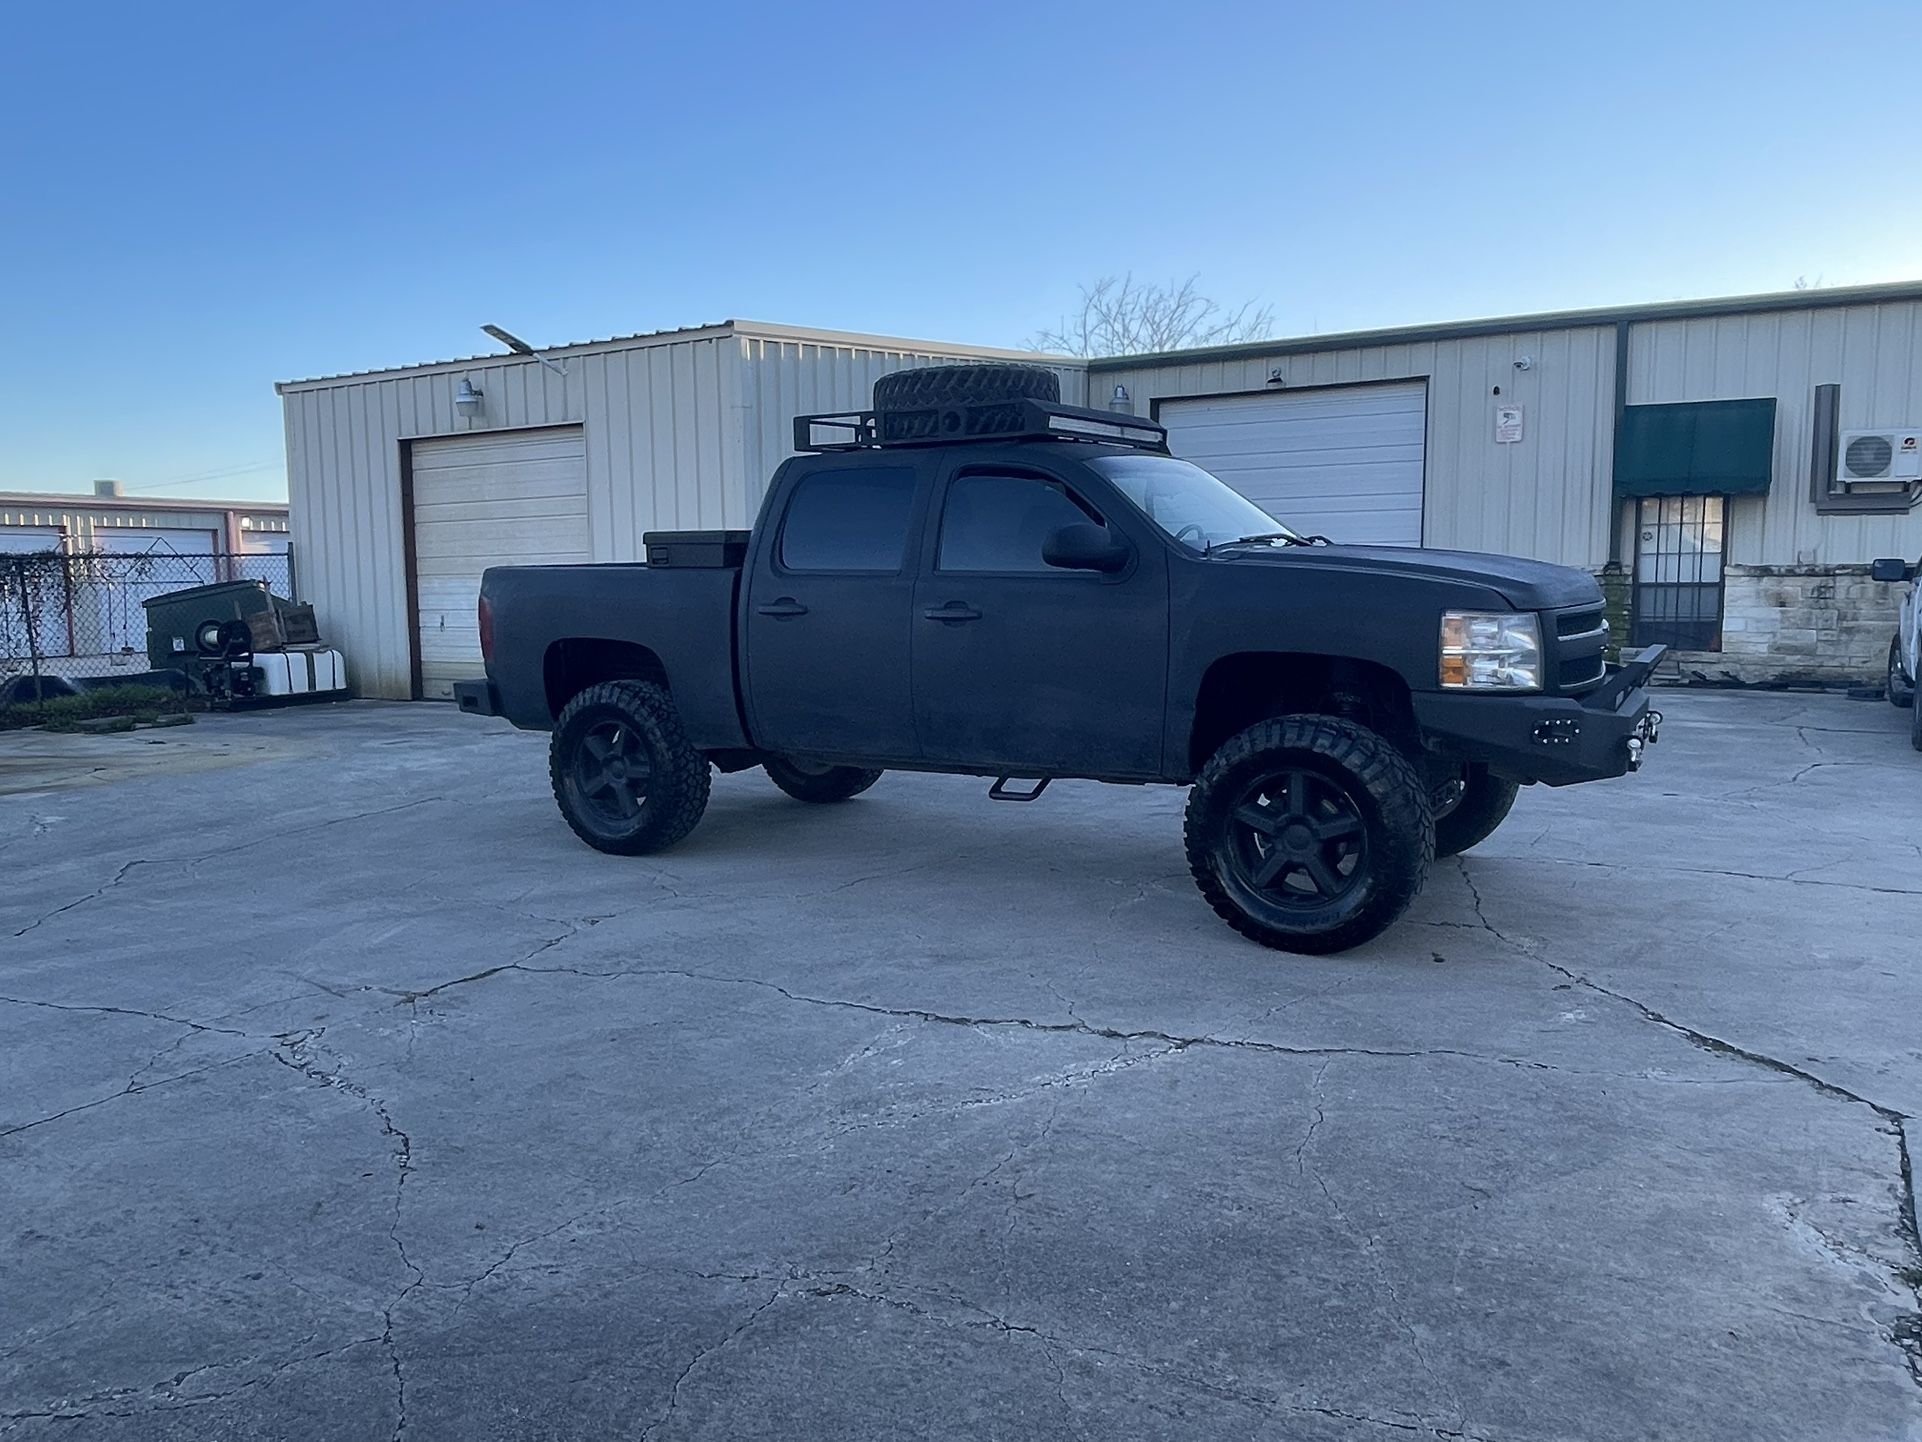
(1287, 538)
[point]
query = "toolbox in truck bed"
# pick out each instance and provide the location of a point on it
(710, 550)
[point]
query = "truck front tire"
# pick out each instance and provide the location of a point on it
(1309, 833)
(626, 778)
(1481, 805)
(818, 783)
(1901, 689)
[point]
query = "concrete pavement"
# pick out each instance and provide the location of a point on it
(344, 1094)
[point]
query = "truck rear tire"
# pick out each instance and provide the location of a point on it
(1915, 725)
(1483, 804)
(818, 783)
(626, 777)
(1309, 833)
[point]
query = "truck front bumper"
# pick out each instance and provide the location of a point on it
(1559, 740)
(477, 698)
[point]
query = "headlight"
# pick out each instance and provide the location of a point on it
(1489, 651)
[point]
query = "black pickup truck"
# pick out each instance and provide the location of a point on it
(974, 578)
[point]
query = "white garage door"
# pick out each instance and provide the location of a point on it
(46, 598)
(169, 559)
(1343, 462)
(480, 501)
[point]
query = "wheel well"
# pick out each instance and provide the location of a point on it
(1239, 690)
(571, 666)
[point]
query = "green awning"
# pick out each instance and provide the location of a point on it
(1700, 448)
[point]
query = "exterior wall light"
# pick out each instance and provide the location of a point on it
(467, 400)
(1120, 403)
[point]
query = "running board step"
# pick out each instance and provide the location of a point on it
(999, 791)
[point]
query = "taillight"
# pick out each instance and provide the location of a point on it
(485, 616)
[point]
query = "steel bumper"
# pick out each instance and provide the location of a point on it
(1559, 740)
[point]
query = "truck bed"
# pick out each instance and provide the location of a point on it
(682, 615)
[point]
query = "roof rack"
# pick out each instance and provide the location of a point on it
(1018, 419)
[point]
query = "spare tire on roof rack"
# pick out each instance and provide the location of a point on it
(959, 400)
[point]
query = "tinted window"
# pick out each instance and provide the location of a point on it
(853, 520)
(998, 523)
(1185, 501)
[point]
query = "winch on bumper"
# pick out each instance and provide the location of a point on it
(1558, 740)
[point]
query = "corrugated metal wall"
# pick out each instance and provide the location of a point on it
(1873, 351)
(81, 521)
(682, 433)
(1546, 496)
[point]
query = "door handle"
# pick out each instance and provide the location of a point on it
(953, 611)
(783, 607)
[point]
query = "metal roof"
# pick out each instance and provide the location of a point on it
(48, 500)
(1907, 290)
(1287, 345)
(649, 337)
(758, 329)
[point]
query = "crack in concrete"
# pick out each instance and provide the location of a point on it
(1368, 1244)
(674, 1392)
(124, 1011)
(167, 1392)
(1792, 878)
(1908, 1330)
(1175, 1042)
(119, 876)
(291, 1054)
(126, 868)
(822, 1286)
(133, 1088)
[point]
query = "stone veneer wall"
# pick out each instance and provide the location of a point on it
(1807, 625)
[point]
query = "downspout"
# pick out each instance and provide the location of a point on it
(1615, 449)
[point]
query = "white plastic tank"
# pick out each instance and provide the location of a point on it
(303, 671)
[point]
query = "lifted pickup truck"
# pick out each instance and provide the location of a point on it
(973, 578)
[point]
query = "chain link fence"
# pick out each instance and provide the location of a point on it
(79, 614)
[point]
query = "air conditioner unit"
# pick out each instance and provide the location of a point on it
(1882, 457)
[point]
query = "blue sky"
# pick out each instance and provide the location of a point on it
(197, 200)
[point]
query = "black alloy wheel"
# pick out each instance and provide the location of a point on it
(612, 770)
(1299, 838)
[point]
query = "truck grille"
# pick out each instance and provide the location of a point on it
(1574, 623)
(1581, 638)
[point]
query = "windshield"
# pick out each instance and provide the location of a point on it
(1192, 506)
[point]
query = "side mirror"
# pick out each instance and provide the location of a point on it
(1889, 569)
(1085, 546)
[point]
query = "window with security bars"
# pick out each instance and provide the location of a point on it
(1680, 542)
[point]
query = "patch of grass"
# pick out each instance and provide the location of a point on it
(64, 713)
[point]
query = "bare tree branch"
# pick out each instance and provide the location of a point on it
(1119, 315)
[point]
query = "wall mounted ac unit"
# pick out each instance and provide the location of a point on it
(1881, 457)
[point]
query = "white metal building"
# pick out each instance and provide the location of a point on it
(1727, 526)
(93, 622)
(403, 495)
(1721, 520)
(112, 522)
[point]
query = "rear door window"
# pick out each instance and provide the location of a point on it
(849, 520)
